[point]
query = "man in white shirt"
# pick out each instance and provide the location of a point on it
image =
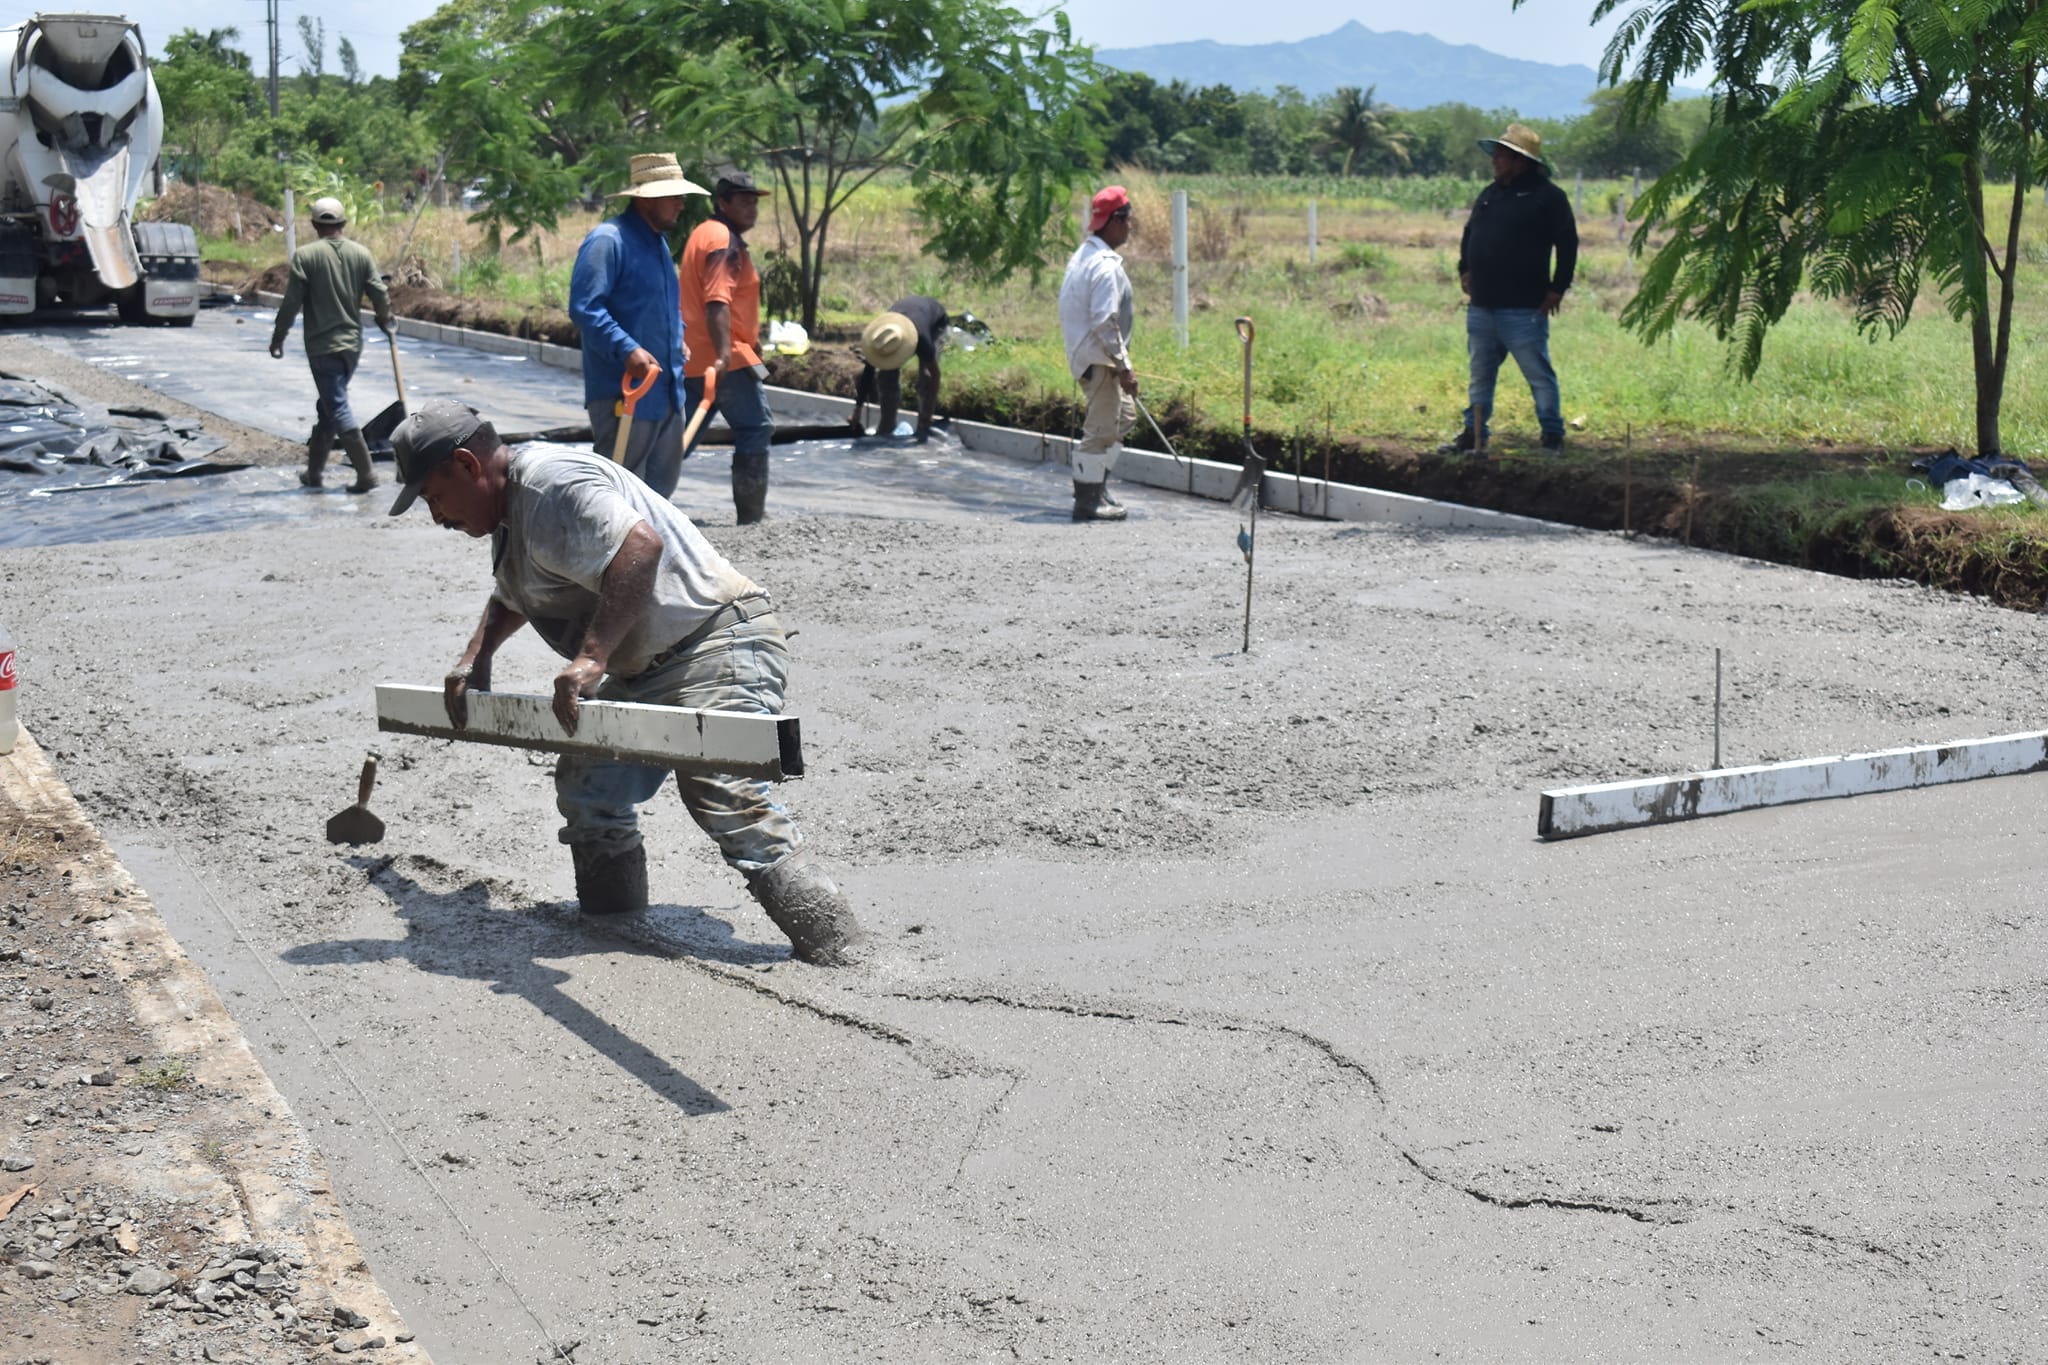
(1095, 318)
(625, 587)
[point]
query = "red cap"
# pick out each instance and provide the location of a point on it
(1106, 202)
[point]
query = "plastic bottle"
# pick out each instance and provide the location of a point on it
(9, 726)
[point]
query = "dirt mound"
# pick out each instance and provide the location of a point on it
(502, 319)
(213, 212)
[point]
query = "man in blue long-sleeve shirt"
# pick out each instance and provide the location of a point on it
(623, 297)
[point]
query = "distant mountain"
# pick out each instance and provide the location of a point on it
(1409, 70)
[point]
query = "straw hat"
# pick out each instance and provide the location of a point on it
(656, 175)
(889, 341)
(1520, 139)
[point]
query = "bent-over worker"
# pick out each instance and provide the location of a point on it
(329, 278)
(915, 325)
(621, 584)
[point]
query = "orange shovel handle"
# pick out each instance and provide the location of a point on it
(634, 392)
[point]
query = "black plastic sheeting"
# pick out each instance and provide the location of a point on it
(45, 438)
(72, 473)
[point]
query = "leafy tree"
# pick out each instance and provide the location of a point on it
(351, 65)
(476, 73)
(313, 37)
(979, 104)
(1845, 149)
(1605, 141)
(1356, 124)
(208, 92)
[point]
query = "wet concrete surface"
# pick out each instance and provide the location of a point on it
(1224, 1007)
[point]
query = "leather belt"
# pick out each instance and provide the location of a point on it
(731, 614)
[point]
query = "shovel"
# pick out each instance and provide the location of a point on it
(355, 824)
(630, 394)
(377, 431)
(703, 409)
(1254, 471)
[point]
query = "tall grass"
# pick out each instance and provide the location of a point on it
(1369, 339)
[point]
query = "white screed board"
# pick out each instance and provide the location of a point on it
(731, 743)
(1572, 811)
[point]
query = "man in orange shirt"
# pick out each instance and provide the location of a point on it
(721, 298)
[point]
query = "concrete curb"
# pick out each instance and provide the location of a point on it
(1153, 469)
(273, 1175)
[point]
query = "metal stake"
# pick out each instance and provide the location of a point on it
(1628, 481)
(1250, 546)
(1717, 707)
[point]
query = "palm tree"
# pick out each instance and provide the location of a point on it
(1357, 123)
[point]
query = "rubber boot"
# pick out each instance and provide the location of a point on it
(359, 455)
(317, 447)
(808, 906)
(750, 487)
(610, 881)
(1089, 506)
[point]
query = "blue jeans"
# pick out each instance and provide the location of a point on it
(742, 404)
(740, 668)
(331, 373)
(1494, 334)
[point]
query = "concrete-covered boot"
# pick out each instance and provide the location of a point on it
(359, 455)
(610, 881)
(1090, 506)
(750, 487)
(317, 447)
(808, 906)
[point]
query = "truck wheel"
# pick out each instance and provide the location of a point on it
(129, 304)
(186, 321)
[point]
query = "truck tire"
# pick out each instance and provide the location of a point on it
(128, 303)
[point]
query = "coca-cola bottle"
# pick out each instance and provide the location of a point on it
(9, 726)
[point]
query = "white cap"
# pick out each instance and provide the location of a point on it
(329, 210)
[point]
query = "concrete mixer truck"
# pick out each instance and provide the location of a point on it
(80, 130)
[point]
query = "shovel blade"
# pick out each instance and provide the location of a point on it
(1248, 480)
(377, 431)
(355, 826)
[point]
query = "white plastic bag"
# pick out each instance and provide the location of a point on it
(1975, 490)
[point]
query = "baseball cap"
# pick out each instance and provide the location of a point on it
(889, 341)
(1105, 203)
(425, 440)
(328, 210)
(737, 182)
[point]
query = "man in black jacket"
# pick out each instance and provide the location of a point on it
(1505, 269)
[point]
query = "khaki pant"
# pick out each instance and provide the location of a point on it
(1110, 414)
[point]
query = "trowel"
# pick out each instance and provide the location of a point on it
(354, 824)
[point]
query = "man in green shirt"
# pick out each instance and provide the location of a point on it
(329, 278)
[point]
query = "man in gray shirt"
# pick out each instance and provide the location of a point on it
(329, 279)
(621, 584)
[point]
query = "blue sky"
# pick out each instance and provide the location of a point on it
(1542, 30)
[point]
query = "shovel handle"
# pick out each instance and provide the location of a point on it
(397, 375)
(1244, 334)
(367, 781)
(632, 393)
(703, 408)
